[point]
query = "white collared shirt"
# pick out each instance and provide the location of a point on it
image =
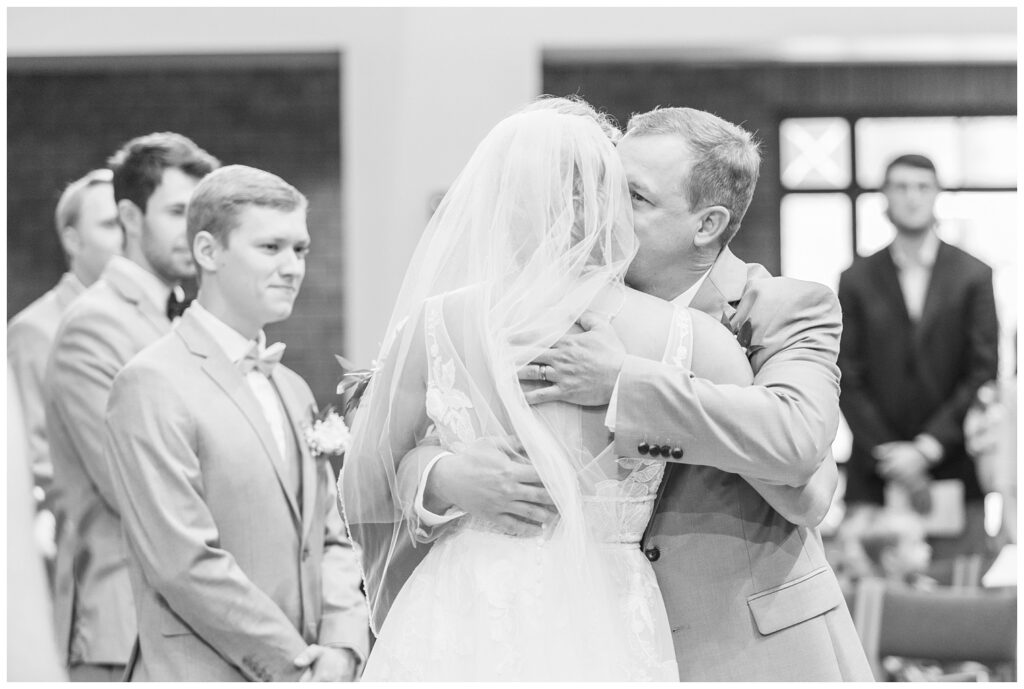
(236, 346)
(155, 289)
(914, 269)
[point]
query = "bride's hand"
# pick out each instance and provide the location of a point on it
(487, 482)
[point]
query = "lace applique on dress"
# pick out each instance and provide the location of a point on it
(446, 405)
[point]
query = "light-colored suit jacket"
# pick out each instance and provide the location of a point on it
(105, 327)
(30, 337)
(750, 595)
(233, 576)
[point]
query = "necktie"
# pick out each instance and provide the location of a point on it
(263, 360)
(176, 307)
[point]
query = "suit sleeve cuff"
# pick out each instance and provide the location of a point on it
(930, 448)
(613, 406)
(425, 516)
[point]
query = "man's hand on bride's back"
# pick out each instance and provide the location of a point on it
(487, 482)
(580, 368)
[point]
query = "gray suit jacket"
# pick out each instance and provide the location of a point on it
(30, 337)
(232, 575)
(749, 593)
(105, 327)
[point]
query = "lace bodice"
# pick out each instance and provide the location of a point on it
(618, 507)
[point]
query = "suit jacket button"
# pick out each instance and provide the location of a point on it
(305, 553)
(677, 453)
(666, 451)
(652, 554)
(655, 450)
(643, 448)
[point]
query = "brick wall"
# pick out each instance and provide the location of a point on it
(280, 113)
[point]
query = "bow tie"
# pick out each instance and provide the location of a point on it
(176, 307)
(263, 360)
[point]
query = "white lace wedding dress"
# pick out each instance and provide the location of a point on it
(484, 605)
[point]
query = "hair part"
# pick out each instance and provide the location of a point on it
(70, 203)
(914, 160)
(726, 158)
(222, 195)
(139, 164)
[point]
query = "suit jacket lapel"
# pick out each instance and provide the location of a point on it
(298, 416)
(229, 378)
(123, 284)
(723, 287)
(889, 280)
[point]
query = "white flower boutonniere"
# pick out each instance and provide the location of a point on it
(328, 435)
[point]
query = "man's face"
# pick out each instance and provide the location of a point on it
(164, 237)
(911, 193)
(260, 270)
(99, 234)
(657, 168)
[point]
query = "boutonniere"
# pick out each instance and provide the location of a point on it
(328, 435)
(743, 334)
(353, 383)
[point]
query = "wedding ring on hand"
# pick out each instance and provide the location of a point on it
(542, 374)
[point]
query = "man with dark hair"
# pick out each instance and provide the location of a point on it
(130, 306)
(919, 338)
(86, 222)
(238, 556)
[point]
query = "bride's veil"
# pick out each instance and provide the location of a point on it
(538, 222)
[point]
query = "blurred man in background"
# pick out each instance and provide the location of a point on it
(130, 306)
(919, 339)
(86, 220)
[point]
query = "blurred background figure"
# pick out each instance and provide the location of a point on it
(920, 336)
(129, 307)
(897, 550)
(31, 644)
(86, 220)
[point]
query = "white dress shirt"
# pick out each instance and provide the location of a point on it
(236, 346)
(914, 267)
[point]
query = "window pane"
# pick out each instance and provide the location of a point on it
(874, 230)
(880, 139)
(989, 148)
(815, 153)
(968, 151)
(816, 237)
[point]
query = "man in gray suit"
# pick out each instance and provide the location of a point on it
(237, 552)
(86, 219)
(749, 594)
(111, 322)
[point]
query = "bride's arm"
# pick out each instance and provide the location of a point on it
(717, 357)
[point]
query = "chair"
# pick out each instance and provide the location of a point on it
(943, 624)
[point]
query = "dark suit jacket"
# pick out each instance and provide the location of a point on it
(900, 378)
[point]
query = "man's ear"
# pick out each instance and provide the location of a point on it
(70, 240)
(205, 248)
(130, 216)
(713, 226)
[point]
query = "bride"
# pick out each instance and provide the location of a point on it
(536, 230)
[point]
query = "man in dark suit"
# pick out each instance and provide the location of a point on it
(919, 339)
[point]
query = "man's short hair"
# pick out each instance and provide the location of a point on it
(574, 105)
(726, 158)
(139, 165)
(224, 193)
(70, 203)
(910, 160)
